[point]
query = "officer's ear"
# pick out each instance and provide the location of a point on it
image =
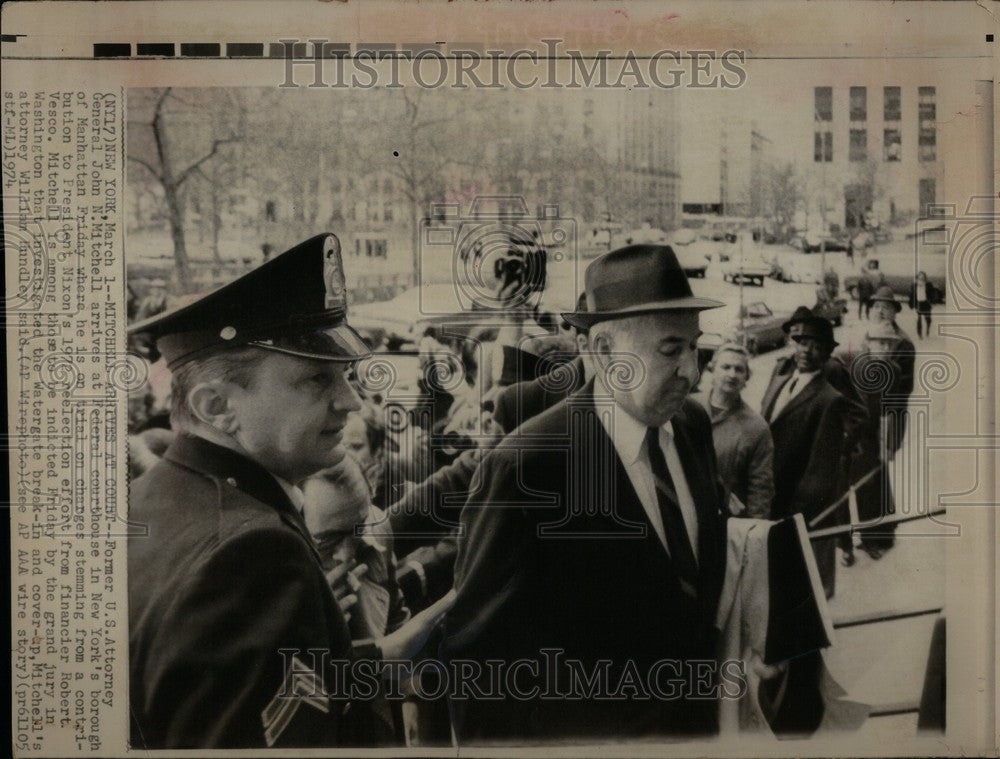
(211, 403)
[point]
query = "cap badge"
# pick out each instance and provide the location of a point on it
(227, 333)
(333, 274)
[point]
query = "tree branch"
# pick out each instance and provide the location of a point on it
(215, 147)
(147, 166)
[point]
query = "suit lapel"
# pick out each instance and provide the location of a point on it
(627, 505)
(778, 379)
(805, 394)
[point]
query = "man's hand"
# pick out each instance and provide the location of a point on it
(768, 672)
(344, 580)
(411, 637)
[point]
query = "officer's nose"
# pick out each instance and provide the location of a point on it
(344, 399)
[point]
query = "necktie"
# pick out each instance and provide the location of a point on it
(784, 396)
(678, 543)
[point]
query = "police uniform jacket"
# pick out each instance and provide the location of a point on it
(222, 579)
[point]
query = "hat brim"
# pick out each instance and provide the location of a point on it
(339, 343)
(691, 303)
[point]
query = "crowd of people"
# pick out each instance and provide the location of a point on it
(571, 492)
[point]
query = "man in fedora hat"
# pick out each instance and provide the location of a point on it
(885, 308)
(807, 417)
(594, 534)
(235, 638)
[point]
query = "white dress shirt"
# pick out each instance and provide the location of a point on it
(628, 435)
(790, 389)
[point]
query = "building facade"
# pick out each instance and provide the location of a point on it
(875, 157)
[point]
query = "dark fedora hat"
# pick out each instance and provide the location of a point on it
(885, 293)
(800, 315)
(817, 328)
(296, 304)
(637, 279)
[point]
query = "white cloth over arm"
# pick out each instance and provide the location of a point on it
(772, 609)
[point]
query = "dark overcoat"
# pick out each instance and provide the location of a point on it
(809, 441)
(557, 553)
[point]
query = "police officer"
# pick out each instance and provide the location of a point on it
(236, 639)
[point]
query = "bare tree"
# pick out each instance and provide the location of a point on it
(784, 190)
(172, 166)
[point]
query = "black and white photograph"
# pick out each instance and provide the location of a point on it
(601, 385)
(609, 385)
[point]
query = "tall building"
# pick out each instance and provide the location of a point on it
(744, 157)
(874, 153)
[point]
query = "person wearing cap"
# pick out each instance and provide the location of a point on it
(903, 358)
(235, 637)
(807, 418)
(877, 376)
(885, 307)
(598, 528)
(743, 444)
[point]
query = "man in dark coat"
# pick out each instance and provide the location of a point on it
(594, 539)
(807, 417)
(235, 638)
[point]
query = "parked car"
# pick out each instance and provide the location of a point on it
(691, 260)
(761, 329)
(816, 244)
(751, 271)
(801, 269)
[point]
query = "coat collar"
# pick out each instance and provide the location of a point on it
(718, 415)
(238, 471)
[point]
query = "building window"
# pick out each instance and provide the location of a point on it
(859, 145)
(927, 115)
(859, 103)
(927, 143)
(892, 144)
(927, 194)
(376, 248)
(823, 104)
(927, 106)
(387, 213)
(893, 104)
(822, 148)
